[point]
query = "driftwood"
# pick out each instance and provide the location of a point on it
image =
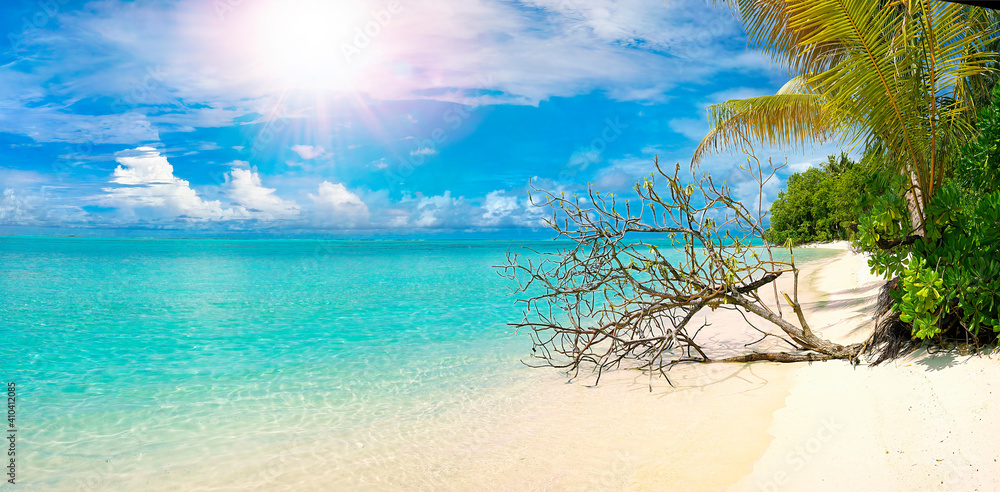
(613, 298)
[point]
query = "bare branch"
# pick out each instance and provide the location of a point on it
(612, 298)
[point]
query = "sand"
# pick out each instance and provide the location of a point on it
(707, 432)
(921, 423)
(917, 424)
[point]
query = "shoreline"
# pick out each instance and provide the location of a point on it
(706, 432)
(757, 426)
(914, 424)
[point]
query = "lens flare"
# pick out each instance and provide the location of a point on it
(300, 42)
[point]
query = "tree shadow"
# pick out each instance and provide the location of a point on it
(938, 361)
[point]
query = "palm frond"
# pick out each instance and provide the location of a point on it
(905, 74)
(781, 119)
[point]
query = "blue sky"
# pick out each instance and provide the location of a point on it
(352, 118)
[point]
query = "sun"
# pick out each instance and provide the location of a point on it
(301, 42)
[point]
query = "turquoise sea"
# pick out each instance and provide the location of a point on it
(219, 364)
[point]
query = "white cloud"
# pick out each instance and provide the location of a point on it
(146, 184)
(308, 152)
(423, 151)
(696, 128)
(498, 206)
(335, 205)
(583, 158)
(693, 128)
(470, 51)
(32, 198)
(245, 188)
(47, 124)
(521, 52)
(435, 211)
(11, 208)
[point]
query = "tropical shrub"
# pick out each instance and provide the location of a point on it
(949, 280)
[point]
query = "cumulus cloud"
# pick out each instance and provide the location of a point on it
(145, 187)
(146, 183)
(335, 205)
(501, 209)
(498, 206)
(308, 152)
(497, 209)
(245, 188)
(436, 211)
(39, 207)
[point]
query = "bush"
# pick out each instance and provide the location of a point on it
(952, 281)
(949, 280)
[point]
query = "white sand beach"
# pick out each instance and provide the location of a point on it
(920, 423)
(915, 424)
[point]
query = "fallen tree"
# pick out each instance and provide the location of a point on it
(614, 298)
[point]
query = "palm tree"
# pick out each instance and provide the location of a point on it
(902, 77)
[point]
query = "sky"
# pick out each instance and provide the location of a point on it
(419, 118)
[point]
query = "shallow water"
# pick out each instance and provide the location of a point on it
(211, 364)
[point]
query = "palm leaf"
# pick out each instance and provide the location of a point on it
(781, 119)
(902, 75)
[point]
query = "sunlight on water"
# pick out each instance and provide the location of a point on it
(216, 364)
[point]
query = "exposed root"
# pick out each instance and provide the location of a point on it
(892, 337)
(891, 340)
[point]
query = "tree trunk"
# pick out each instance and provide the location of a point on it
(915, 204)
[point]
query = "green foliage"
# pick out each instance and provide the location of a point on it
(819, 203)
(921, 298)
(949, 279)
(963, 243)
(882, 216)
(977, 164)
(901, 77)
